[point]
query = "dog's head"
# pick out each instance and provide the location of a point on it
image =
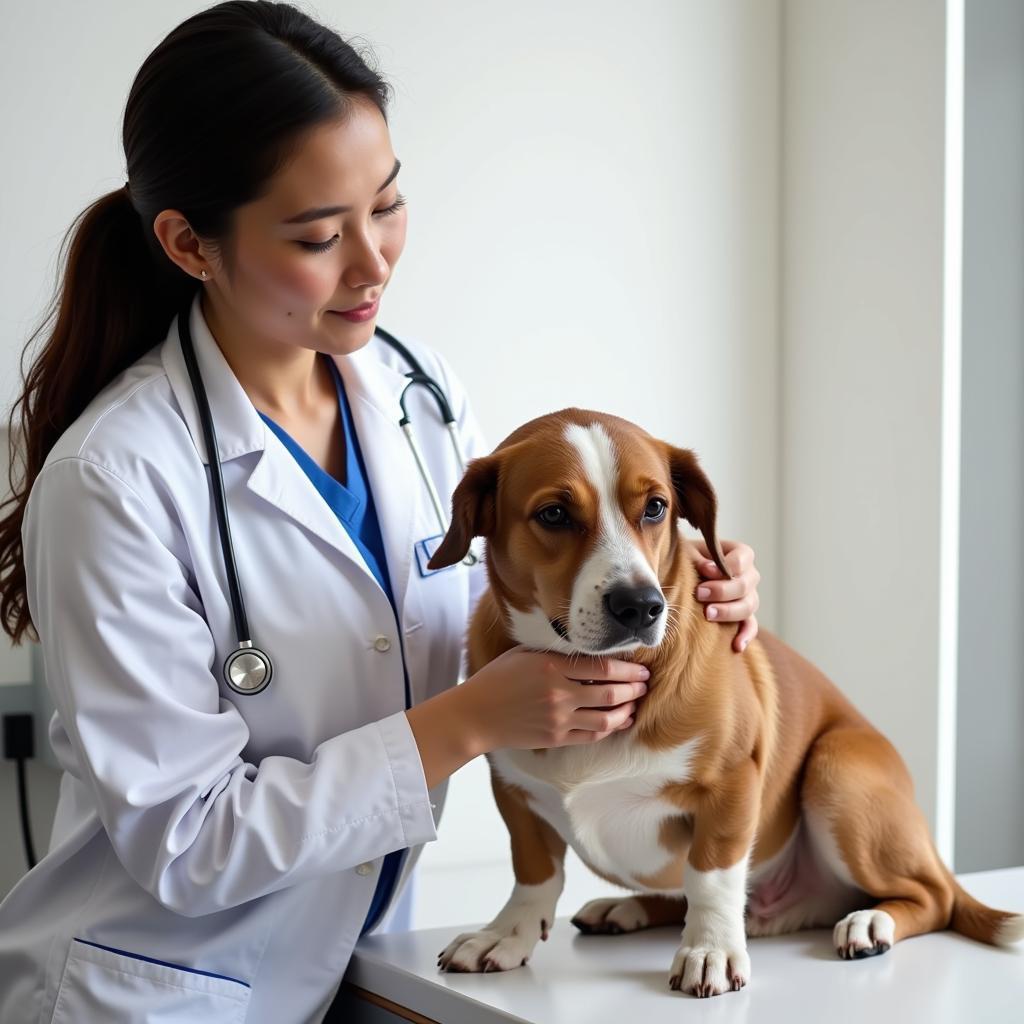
(581, 513)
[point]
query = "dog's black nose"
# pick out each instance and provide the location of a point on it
(635, 607)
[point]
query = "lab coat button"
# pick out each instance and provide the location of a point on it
(364, 869)
(382, 643)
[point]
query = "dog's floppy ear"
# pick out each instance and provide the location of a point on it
(472, 511)
(698, 504)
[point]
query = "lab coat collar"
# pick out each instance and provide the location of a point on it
(373, 389)
(238, 426)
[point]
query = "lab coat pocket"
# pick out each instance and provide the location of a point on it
(117, 987)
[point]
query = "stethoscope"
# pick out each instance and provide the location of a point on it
(248, 669)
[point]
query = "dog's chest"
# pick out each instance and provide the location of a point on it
(604, 799)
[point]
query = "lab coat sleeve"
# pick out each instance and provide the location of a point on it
(474, 445)
(130, 661)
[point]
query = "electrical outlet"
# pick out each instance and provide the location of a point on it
(18, 737)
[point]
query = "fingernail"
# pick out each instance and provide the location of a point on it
(710, 567)
(643, 689)
(703, 593)
(644, 672)
(712, 612)
(743, 646)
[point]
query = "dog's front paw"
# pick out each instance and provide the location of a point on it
(493, 948)
(709, 968)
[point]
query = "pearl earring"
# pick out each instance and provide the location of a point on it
(203, 272)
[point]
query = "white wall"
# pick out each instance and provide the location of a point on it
(862, 362)
(990, 709)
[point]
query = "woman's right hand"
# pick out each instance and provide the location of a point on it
(530, 699)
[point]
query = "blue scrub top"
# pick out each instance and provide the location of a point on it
(352, 503)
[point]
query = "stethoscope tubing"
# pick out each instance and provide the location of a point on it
(216, 479)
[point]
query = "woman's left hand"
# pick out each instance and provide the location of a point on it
(732, 600)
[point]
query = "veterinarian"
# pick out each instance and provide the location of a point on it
(256, 703)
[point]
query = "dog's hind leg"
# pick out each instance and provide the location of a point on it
(859, 805)
(617, 914)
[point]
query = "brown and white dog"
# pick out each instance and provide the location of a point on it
(749, 797)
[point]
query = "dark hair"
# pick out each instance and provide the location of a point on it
(214, 112)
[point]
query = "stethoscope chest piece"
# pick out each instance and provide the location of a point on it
(248, 670)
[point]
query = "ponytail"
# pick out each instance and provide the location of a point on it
(115, 303)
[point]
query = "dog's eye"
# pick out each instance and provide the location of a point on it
(554, 515)
(655, 510)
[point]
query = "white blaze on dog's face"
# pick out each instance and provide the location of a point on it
(597, 590)
(581, 513)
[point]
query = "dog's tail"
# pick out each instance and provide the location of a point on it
(974, 919)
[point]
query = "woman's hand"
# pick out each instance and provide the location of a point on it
(732, 600)
(529, 699)
(525, 699)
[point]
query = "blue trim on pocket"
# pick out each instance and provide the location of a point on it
(160, 963)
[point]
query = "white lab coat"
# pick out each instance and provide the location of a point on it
(213, 856)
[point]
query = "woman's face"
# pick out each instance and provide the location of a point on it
(324, 239)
